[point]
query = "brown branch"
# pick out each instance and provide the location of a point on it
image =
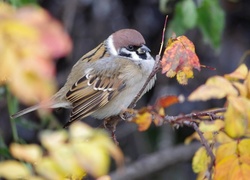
(156, 68)
(207, 147)
(155, 162)
(212, 114)
(190, 120)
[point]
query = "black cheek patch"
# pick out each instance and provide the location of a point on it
(142, 56)
(125, 54)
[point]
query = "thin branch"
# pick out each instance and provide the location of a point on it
(155, 162)
(163, 35)
(190, 120)
(207, 147)
(212, 114)
(157, 67)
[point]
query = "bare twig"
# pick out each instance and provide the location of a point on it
(190, 120)
(207, 147)
(212, 114)
(163, 35)
(155, 162)
(156, 68)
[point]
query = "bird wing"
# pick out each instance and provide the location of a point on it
(92, 92)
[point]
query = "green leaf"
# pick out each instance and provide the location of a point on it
(19, 3)
(185, 18)
(211, 21)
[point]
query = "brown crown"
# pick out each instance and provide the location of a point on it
(126, 37)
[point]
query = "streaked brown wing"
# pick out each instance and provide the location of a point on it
(92, 92)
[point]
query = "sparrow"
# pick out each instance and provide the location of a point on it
(104, 81)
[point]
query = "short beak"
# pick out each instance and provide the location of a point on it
(143, 49)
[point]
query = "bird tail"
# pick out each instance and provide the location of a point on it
(25, 111)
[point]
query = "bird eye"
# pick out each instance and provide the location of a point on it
(131, 48)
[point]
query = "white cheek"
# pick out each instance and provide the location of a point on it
(110, 45)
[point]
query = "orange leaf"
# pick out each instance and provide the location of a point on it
(226, 150)
(167, 101)
(143, 119)
(233, 160)
(224, 167)
(180, 58)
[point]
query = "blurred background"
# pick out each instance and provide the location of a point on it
(219, 29)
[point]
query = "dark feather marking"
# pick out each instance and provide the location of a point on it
(98, 83)
(97, 49)
(121, 87)
(92, 79)
(88, 109)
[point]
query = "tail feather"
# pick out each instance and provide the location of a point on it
(46, 104)
(25, 111)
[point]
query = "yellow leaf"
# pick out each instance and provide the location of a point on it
(207, 135)
(222, 138)
(202, 176)
(143, 120)
(31, 153)
(98, 142)
(49, 169)
(224, 167)
(200, 160)
(190, 138)
(241, 88)
(225, 150)
(245, 170)
(216, 87)
(53, 140)
(244, 147)
(13, 170)
(211, 126)
(184, 75)
(80, 131)
(92, 158)
(236, 122)
(239, 73)
(247, 84)
(65, 158)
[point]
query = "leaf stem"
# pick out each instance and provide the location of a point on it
(12, 108)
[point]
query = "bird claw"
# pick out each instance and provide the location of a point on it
(128, 114)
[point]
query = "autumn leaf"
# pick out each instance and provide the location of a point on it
(236, 117)
(240, 73)
(30, 40)
(208, 126)
(216, 87)
(200, 160)
(179, 59)
(13, 170)
(30, 153)
(247, 84)
(143, 119)
(64, 155)
(167, 101)
(233, 160)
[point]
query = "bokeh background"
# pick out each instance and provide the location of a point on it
(89, 22)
